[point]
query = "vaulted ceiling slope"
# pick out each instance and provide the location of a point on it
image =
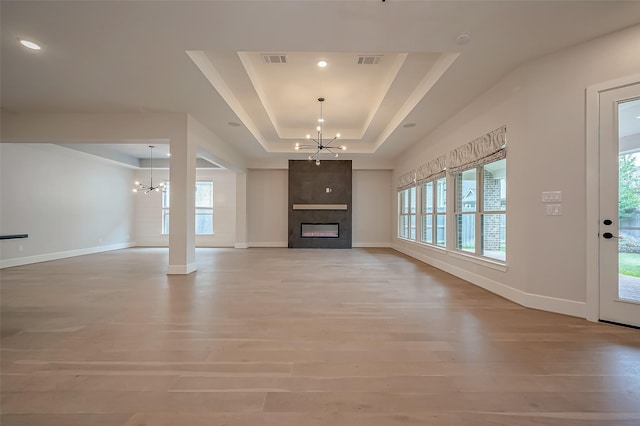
(391, 64)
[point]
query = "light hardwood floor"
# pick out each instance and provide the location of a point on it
(297, 337)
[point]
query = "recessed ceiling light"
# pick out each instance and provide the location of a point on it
(30, 44)
(408, 125)
(638, 116)
(233, 124)
(322, 63)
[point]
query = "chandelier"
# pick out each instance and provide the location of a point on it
(320, 145)
(148, 188)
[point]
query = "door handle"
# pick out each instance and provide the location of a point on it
(609, 235)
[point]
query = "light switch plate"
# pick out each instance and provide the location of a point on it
(551, 196)
(554, 209)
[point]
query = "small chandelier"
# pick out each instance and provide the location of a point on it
(320, 145)
(148, 188)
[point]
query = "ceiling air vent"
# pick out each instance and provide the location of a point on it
(275, 59)
(369, 60)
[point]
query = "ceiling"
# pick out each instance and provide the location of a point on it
(391, 64)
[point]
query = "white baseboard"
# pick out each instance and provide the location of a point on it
(529, 300)
(181, 269)
(278, 244)
(241, 245)
(9, 263)
(286, 244)
(372, 245)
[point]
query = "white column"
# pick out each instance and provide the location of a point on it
(241, 210)
(182, 176)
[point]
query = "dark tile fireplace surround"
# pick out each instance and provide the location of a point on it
(320, 204)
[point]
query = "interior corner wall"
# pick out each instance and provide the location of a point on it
(69, 203)
(267, 213)
(542, 103)
(148, 216)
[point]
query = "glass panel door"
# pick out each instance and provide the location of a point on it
(629, 200)
(619, 266)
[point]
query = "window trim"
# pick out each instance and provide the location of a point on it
(408, 214)
(196, 208)
(478, 213)
(165, 211)
(489, 262)
(434, 213)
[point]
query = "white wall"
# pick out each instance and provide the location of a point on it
(543, 105)
(148, 216)
(268, 195)
(70, 203)
(371, 208)
(267, 214)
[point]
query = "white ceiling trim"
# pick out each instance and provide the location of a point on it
(205, 66)
(383, 85)
(441, 65)
(253, 76)
(384, 89)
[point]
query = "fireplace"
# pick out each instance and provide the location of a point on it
(320, 204)
(319, 230)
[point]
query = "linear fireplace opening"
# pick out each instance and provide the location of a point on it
(319, 230)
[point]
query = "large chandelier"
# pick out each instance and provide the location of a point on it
(321, 145)
(148, 188)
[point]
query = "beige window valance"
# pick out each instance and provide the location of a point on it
(407, 180)
(486, 149)
(434, 169)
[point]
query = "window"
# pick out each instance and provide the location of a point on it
(481, 210)
(433, 212)
(203, 204)
(407, 213)
(204, 208)
(165, 208)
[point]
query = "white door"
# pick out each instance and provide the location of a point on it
(620, 205)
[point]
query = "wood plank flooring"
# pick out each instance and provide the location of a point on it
(296, 337)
